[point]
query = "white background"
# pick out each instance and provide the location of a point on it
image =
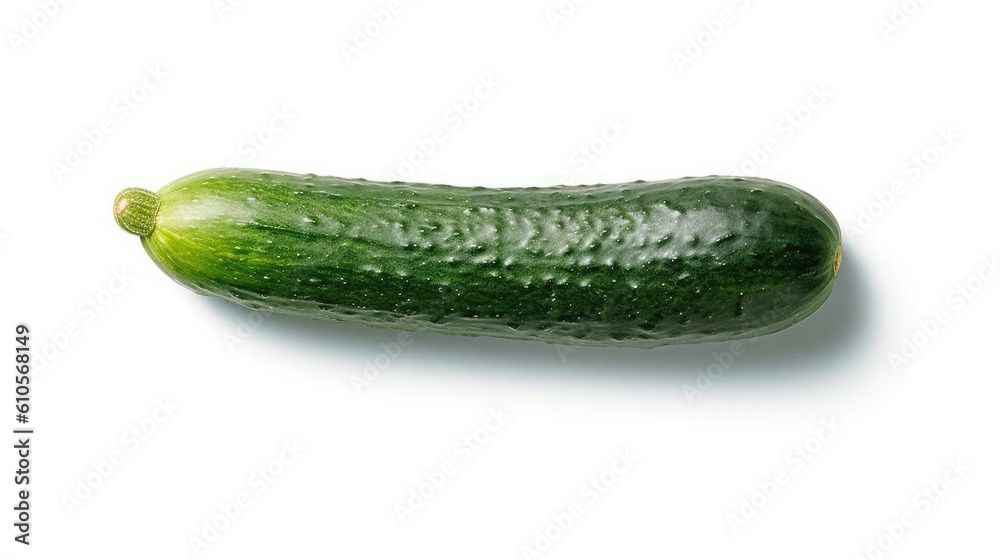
(202, 77)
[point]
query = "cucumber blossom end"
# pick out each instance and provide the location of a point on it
(836, 259)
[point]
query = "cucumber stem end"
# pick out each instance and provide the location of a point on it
(135, 211)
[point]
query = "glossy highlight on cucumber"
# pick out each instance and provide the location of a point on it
(639, 264)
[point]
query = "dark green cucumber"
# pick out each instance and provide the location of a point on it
(632, 264)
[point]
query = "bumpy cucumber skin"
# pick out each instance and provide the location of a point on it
(636, 264)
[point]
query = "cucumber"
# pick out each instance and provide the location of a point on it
(634, 264)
